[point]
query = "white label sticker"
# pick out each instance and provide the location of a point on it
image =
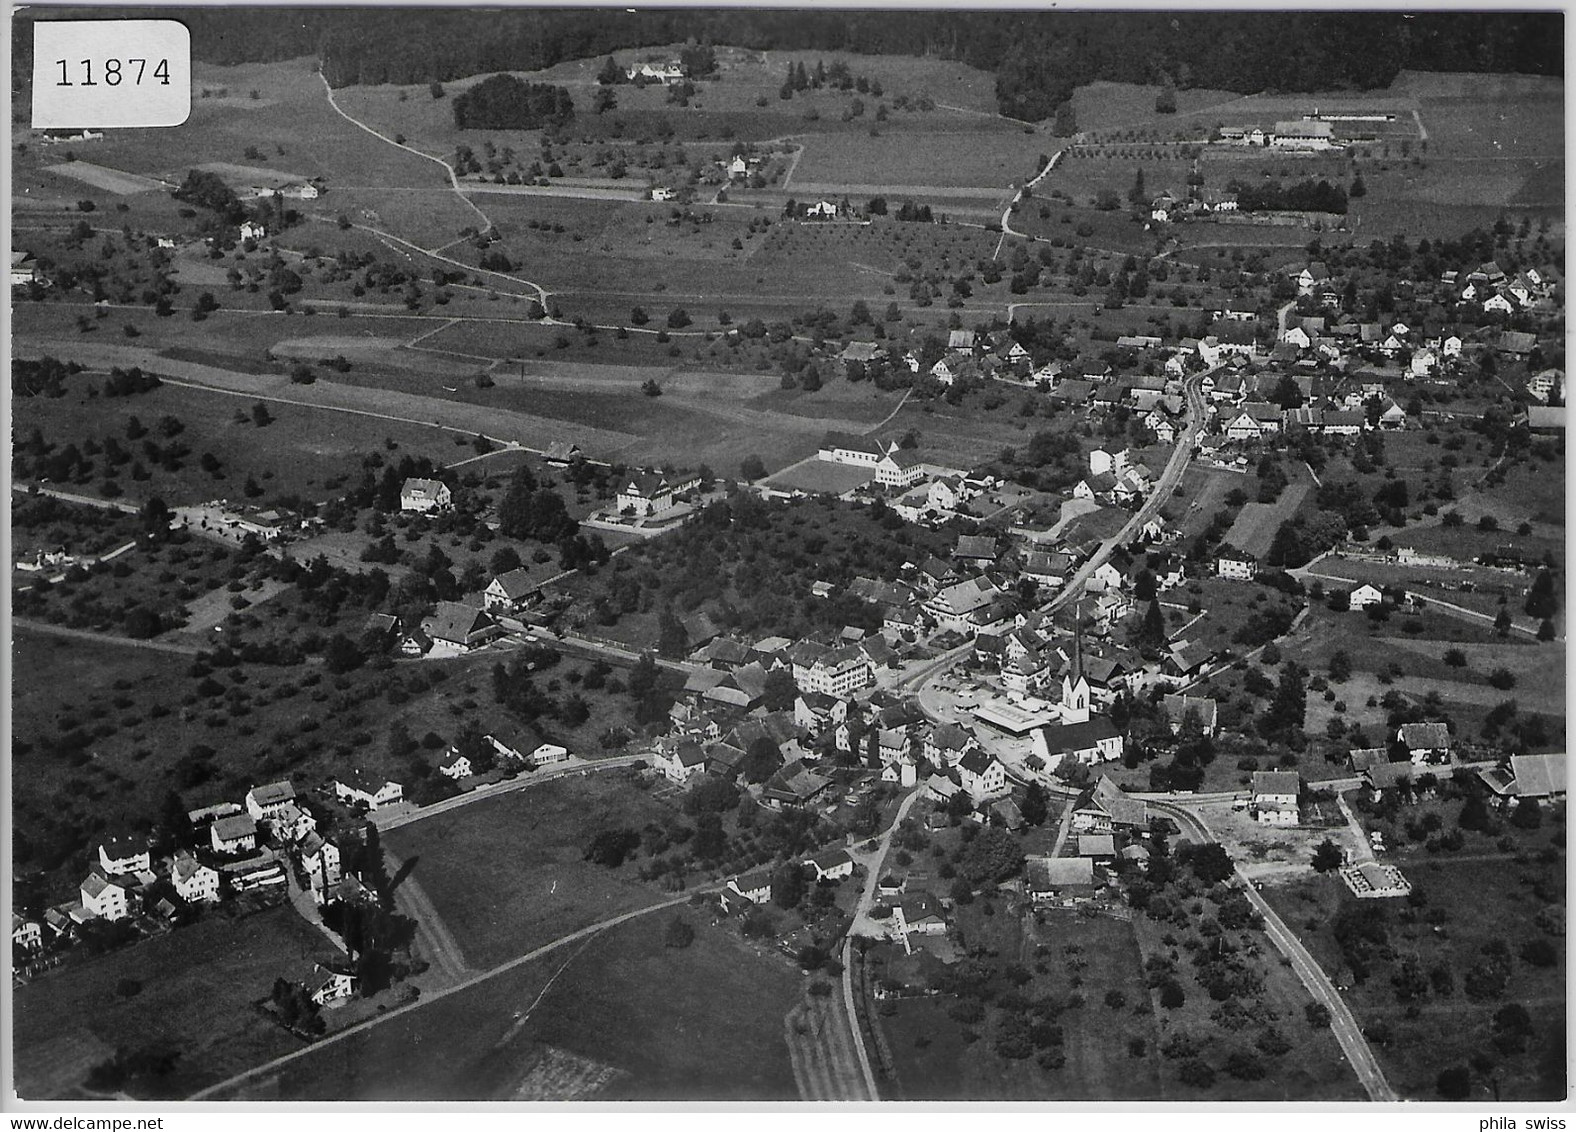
(91, 74)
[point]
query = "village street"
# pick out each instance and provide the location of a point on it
(1354, 1045)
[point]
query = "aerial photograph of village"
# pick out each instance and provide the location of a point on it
(673, 555)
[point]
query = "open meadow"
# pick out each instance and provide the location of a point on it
(536, 886)
(624, 1018)
(193, 996)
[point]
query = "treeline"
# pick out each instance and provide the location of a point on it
(504, 102)
(1039, 57)
(1304, 196)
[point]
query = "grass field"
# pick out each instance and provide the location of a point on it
(1103, 106)
(109, 180)
(198, 984)
(1386, 658)
(819, 476)
(1473, 898)
(908, 162)
(1254, 528)
(535, 887)
(703, 1022)
(296, 455)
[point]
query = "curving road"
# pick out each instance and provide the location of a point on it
(1347, 1032)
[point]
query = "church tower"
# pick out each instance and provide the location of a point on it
(1075, 687)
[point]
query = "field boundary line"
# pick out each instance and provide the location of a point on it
(276, 399)
(454, 183)
(449, 169)
(399, 1011)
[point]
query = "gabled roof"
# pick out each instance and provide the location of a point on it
(1046, 873)
(358, 779)
(1276, 782)
(272, 793)
(975, 546)
(515, 583)
(1425, 736)
(1107, 797)
(976, 762)
(1538, 776)
(1070, 737)
(235, 827)
(456, 623)
(419, 487)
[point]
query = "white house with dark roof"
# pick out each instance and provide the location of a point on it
(124, 854)
(1106, 807)
(648, 493)
(329, 987)
(454, 766)
(755, 887)
(1059, 879)
(194, 882)
(831, 864)
(839, 673)
(981, 775)
(425, 496)
(319, 858)
(237, 834)
(456, 628)
(105, 897)
(1425, 742)
(918, 913)
(1274, 797)
(26, 935)
(268, 799)
(679, 760)
(509, 592)
(356, 786)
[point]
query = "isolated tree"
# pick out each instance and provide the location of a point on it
(752, 468)
(1035, 806)
(1327, 857)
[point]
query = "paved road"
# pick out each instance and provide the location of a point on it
(102, 638)
(1350, 1035)
(872, 865)
(226, 1086)
(447, 805)
(72, 497)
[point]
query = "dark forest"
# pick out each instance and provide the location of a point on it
(1038, 58)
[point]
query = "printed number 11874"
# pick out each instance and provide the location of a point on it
(113, 72)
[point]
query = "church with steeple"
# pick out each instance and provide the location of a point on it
(1083, 734)
(1074, 705)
